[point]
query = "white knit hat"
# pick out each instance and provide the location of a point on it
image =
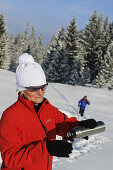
(29, 73)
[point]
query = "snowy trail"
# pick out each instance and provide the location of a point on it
(60, 95)
(81, 147)
(69, 106)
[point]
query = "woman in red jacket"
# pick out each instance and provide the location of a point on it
(28, 128)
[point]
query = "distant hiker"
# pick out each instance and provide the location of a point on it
(82, 105)
(28, 128)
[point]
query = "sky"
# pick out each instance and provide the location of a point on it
(47, 16)
(94, 154)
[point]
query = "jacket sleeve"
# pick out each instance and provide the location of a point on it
(64, 124)
(13, 152)
(79, 103)
(88, 102)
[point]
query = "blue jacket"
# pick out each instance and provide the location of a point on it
(82, 103)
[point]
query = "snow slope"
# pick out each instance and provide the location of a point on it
(94, 154)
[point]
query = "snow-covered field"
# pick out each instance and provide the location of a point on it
(94, 154)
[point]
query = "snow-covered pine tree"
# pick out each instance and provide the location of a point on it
(12, 52)
(92, 40)
(105, 36)
(25, 37)
(49, 57)
(4, 45)
(104, 43)
(111, 31)
(21, 44)
(39, 50)
(35, 47)
(32, 41)
(17, 52)
(74, 51)
(83, 70)
(86, 71)
(49, 62)
(105, 76)
(63, 60)
(55, 64)
(63, 70)
(57, 68)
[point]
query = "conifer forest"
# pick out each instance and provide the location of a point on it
(75, 57)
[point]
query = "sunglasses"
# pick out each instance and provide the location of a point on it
(36, 88)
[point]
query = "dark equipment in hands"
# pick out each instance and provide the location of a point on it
(81, 131)
(59, 148)
(88, 123)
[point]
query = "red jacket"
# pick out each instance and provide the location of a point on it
(23, 136)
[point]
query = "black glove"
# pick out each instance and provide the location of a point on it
(89, 123)
(86, 137)
(60, 148)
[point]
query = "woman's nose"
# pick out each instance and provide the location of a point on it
(40, 91)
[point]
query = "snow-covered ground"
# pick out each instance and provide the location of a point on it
(94, 154)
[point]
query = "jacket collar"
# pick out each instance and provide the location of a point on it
(29, 104)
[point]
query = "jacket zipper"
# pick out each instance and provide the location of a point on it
(45, 130)
(46, 136)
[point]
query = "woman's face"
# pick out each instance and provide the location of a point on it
(35, 96)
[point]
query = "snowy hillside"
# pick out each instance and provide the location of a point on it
(94, 154)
